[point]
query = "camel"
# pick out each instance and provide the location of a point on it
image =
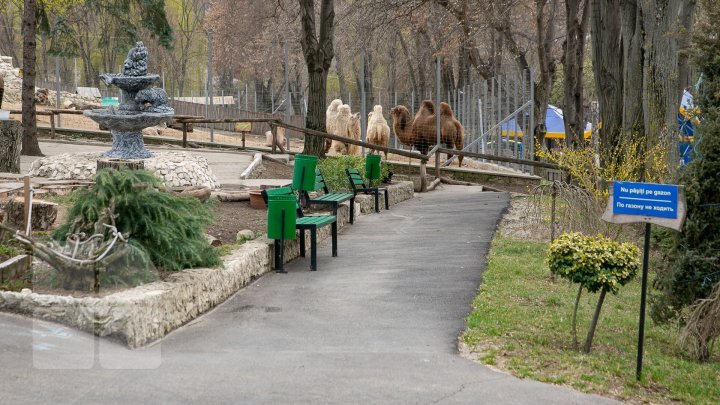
(378, 131)
(451, 130)
(330, 118)
(344, 126)
(354, 133)
(420, 130)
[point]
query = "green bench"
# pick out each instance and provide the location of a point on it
(358, 186)
(302, 223)
(332, 199)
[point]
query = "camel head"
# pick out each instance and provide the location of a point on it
(334, 104)
(377, 110)
(344, 110)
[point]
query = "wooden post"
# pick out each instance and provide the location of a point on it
(273, 129)
(184, 143)
(437, 163)
(52, 126)
(423, 175)
(243, 139)
(26, 209)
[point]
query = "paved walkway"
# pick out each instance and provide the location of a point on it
(226, 166)
(378, 324)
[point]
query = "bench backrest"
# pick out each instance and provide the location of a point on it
(356, 180)
(283, 191)
(320, 182)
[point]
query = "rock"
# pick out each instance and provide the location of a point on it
(213, 241)
(245, 234)
(150, 131)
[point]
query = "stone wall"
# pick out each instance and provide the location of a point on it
(146, 313)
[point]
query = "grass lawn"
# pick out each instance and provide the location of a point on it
(521, 323)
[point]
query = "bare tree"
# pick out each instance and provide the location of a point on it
(30, 146)
(318, 52)
(576, 14)
(607, 55)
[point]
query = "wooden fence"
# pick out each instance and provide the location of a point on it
(230, 112)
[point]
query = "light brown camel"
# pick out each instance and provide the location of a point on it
(378, 131)
(330, 120)
(420, 130)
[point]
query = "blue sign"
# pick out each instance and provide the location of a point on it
(645, 199)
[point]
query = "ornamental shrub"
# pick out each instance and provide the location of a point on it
(169, 228)
(333, 170)
(597, 263)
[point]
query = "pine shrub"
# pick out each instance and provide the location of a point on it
(169, 228)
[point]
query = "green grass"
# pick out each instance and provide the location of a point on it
(521, 322)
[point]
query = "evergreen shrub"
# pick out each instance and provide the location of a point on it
(169, 228)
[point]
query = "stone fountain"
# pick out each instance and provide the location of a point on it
(142, 106)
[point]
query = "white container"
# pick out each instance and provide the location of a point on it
(4, 115)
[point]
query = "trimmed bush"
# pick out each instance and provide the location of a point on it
(597, 263)
(333, 169)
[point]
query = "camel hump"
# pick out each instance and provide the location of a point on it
(427, 106)
(446, 110)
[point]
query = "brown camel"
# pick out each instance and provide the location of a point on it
(420, 130)
(451, 130)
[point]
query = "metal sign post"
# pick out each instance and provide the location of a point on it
(659, 204)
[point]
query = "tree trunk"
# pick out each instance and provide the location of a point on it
(316, 118)
(30, 146)
(593, 324)
(576, 22)
(576, 344)
(10, 143)
(660, 85)
(547, 66)
(341, 76)
(608, 71)
(632, 41)
(2, 90)
(318, 54)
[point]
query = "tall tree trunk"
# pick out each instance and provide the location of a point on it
(660, 85)
(608, 70)
(318, 54)
(632, 41)
(576, 12)
(547, 66)
(30, 146)
(410, 63)
(341, 75)
(686, 19)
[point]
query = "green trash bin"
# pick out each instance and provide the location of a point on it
(279, 222)
(304, 172)
(372, 167)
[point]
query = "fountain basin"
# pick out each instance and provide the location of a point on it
(131, 84)
(126, 121)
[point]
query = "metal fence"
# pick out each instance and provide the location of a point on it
(496, 113)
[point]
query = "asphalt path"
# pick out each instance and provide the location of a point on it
(378, 324)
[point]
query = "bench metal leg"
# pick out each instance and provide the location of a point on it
(334, 239)
(352, 210)
(377, 201)
(313, 249)
(302, 243)
(279, 256)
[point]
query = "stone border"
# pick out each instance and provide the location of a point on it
(146, 313)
